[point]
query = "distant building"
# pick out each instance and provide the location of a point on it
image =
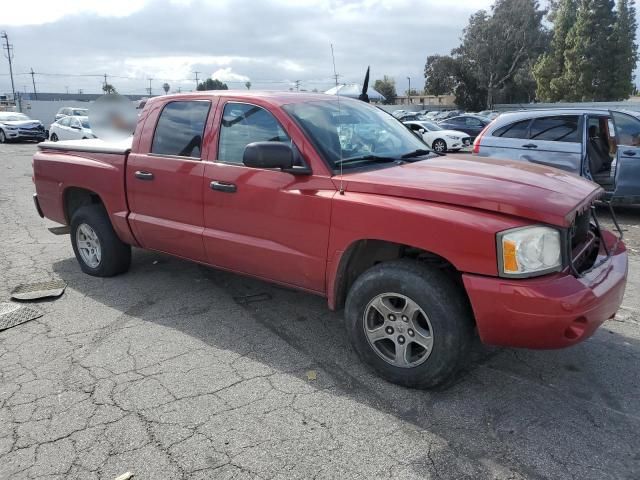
(427, 100)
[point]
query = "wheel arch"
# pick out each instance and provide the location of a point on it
(76, 197)
(363, 254)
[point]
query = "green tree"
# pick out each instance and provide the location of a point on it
(496, 47)
(212, 84)
(248, 85)
(589, 58)
(625, 50)
(109, 89)
(166, 87)
(548, 71)
(387, 88)
(440, 75)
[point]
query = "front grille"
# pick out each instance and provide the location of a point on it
(585, 240)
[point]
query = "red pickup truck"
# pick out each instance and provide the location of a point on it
(337, 198)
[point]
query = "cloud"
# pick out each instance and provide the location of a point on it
(271, 42)
(226, 75)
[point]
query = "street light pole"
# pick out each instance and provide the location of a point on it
(409, 91)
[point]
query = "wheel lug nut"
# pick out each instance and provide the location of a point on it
(405, 318)
(392, 317)
(411, 332)
(389, 330)
(400, 339)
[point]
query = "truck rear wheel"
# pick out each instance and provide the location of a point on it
(410, 322)
(98, 249)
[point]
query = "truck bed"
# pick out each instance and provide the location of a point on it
(94, 145)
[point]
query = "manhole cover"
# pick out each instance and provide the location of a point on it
(12, 314)
(33, 291)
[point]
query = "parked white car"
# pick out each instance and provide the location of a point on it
(439, 139)
(71, 112)
(70, 128)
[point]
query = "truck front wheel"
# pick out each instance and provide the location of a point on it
(410, 322)
(98, 249)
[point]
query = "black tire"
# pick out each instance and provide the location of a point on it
(3, 137)
(443, 302)
(54, 137)
(115, 255)
(439, 145)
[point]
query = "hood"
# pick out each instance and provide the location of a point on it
(515, 188)
(21, 123)
(455, 133)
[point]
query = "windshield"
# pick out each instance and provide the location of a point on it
(13, 117)
(351, 129)
(431, 126)
(80, 111)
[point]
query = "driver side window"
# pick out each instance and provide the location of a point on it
(243, 124)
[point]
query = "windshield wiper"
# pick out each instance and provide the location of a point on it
(421, 152)
(368, 158)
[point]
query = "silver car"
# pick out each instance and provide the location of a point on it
(602, 145)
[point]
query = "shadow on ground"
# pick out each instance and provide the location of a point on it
(544, 413)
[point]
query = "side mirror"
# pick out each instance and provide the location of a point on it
(268, 155)
(422, 130)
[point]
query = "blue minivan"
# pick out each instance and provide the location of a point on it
(599, 144)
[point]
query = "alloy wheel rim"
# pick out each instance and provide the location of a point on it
(398, 330)
(88, 245)
(439, 146)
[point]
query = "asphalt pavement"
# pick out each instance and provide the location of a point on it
(174, 370)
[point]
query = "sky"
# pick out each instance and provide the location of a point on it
(70, 44)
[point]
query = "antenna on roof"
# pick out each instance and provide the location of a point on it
(335, 74)
(365, 86)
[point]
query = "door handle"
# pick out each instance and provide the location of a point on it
(223, 187)
(630, 153)
(530, 145)
(144, 175)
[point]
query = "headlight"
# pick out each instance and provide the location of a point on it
(453, 137)
(10, 127)
(529, 251)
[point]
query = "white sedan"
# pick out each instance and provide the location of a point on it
(70, 128)
(439, 139)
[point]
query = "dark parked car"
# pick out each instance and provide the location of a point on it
(472, 125)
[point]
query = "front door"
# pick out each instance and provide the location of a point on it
(267, 223)
(627, 131)
(164, 186)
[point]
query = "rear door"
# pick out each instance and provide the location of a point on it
(64, 130)
(265, 222)
(555, 141)
(627, 131)
(164, 185)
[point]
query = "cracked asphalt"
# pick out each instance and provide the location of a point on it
(174, 370)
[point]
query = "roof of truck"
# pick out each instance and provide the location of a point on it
(273, 97)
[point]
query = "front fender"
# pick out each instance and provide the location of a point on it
(463, 236)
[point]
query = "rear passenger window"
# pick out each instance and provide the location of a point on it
(243, 124)
(555, 129)
(514, 130)
(180, 129)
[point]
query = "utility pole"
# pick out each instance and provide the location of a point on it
(297, 82)
(67, 88)
(409, 91)
(105, 83)
(196, 79)
(33, 80)
(9, 55)
(149, 89)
